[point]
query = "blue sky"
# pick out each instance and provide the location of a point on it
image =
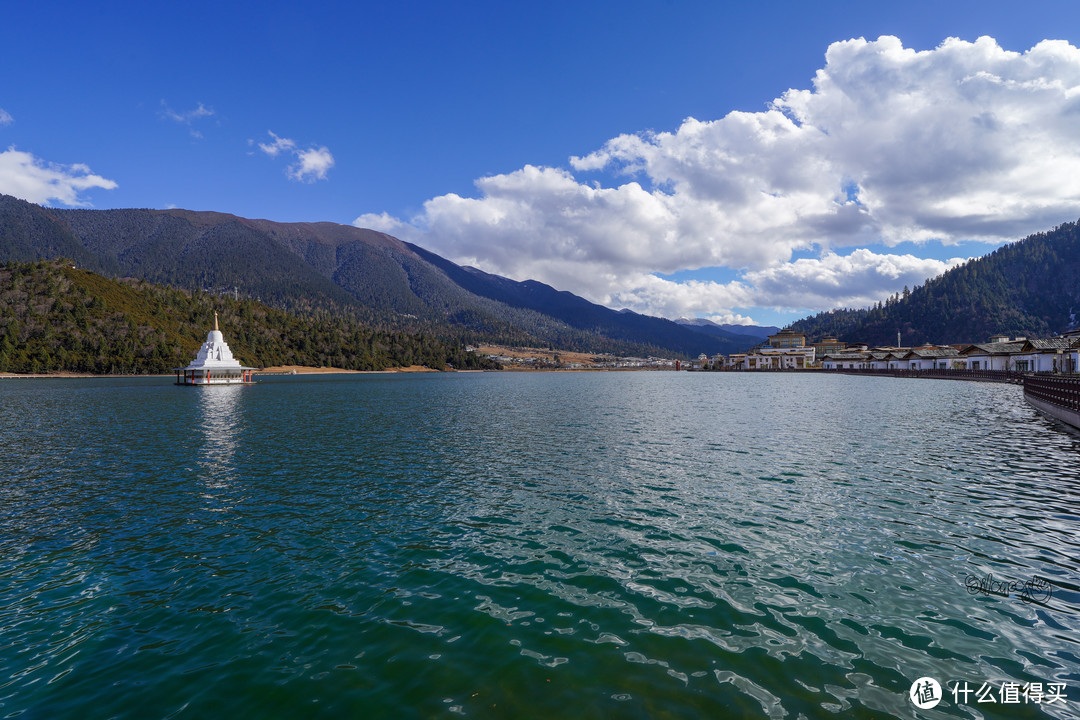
(478, 129)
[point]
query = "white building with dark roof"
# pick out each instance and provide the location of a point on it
(996, 355)
(846, 360)
(931, 358)
(1056, 354)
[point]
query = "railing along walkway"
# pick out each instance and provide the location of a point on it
(1060, 390)
(1001, 376)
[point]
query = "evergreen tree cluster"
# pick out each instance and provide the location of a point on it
(55, 317)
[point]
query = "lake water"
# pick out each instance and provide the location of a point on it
(592, 545)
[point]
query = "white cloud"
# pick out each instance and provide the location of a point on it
(188, 117)
(5, 117)
(200, 111)
(387, 223)
(279, 144)
(652, 295)
(854, 280)
(25, 176)
(311, 164)
(731, 319)
(964, 142)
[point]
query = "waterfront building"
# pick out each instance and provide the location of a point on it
(771, 358)
(787, 339)
(931, 357)
(998, 354)
(889, 358)
(1054, 354)
(785, 350)
(215, 364)
(880, 358)
(828, 346)
(846, 361)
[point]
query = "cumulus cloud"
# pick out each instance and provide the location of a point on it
(653, 295)
(964, 142)
(311, 164)
(25, 176)
(5, 117)
(731, 319)
(854, 280)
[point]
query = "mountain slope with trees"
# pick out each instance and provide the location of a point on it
(1030, 288)
(56, 317)
(366, 274)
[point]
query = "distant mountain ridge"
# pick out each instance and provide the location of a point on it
(339, 268)
(736, 332)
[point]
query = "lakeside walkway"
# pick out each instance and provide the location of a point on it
(998, 376)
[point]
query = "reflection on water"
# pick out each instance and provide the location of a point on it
(218, 424)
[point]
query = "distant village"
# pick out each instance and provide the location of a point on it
(789, 350)
(541, 359)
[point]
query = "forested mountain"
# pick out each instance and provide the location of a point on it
(1029, 288)
(56, 317)
(363, 274)
(626, 326)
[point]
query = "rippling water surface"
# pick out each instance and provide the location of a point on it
(531, 545)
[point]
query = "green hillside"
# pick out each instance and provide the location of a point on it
(1030, 288)
(56, 317)
(362, 274)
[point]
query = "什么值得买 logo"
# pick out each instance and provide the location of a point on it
(925, 693)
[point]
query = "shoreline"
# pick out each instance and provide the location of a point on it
(275, 370)
(324, 370)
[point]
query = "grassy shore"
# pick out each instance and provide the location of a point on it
(306, 370)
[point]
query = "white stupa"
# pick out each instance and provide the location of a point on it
(215, 364)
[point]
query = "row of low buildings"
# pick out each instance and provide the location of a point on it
(789, 350)
(1056, 354)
